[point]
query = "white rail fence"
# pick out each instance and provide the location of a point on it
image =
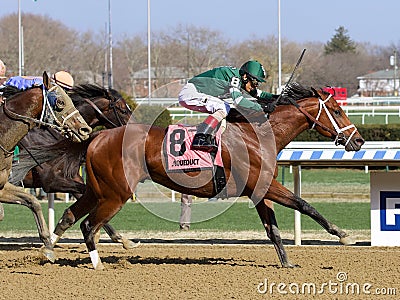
(360, 107)
(298, 154)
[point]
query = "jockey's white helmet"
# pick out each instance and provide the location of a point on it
(63, 79)
(2, 70)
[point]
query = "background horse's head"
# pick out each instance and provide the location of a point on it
(100, 106)
(65, 114)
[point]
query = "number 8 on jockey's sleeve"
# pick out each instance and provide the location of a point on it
(209, 92)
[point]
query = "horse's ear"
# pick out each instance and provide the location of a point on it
(315, 92)
(46, 80)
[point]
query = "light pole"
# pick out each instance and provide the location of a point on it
(395, 72)
(393, 62)
(110, 78)
(19, 40)
(148, 51)
(279, 49)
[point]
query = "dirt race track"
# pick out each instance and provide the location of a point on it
(182, 271)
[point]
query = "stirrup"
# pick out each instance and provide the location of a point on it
(204, 142)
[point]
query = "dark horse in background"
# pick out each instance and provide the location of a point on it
(99, 107)
(20, 112)
(118, 159)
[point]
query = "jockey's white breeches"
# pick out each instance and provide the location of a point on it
(192, 99)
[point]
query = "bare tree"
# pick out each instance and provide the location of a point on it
(50, 45)
(131, 56)
(195, 49)
(339, 69)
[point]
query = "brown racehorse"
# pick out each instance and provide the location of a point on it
(19, 113)
(118, 159)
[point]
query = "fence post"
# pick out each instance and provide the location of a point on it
(51, 211)
(297, 214)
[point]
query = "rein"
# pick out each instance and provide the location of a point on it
(7, 153)
(112, 105)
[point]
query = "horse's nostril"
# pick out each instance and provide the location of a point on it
(360, 141)
(85, 130)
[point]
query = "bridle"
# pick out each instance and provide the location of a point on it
(338, 133)
(113, 105)
(46, 111)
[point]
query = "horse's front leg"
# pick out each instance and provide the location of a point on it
(72, 214)
(280, 194)
(68, 220)
(16, 195)
(96, 219)
(267, 215)
(89, 234)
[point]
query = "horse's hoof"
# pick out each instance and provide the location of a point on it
(347, 241)
(49, 254)
(128, 244)
(99, 266)
(289, 265)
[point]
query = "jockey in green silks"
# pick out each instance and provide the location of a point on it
(215, 90)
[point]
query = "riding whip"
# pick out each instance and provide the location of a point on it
(291, 77)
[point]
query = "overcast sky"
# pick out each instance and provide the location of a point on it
(377, 22)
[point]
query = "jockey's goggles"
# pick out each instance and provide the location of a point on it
(254, 81)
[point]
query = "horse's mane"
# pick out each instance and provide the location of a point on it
(92, 91)
(9, 91)
(296, 91)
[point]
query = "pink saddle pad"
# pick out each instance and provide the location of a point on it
(178, 153)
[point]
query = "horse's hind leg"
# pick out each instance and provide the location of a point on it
(279, 194)
(16, 195)
(267, 216)
(118, 238)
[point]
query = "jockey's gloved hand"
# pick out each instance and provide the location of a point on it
(269, 107)
(282, 99)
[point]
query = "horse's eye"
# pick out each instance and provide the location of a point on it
(60, 105)
(337, 112)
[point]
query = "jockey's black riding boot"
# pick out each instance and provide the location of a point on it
(204, 139)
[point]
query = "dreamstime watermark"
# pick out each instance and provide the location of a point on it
(339, 286)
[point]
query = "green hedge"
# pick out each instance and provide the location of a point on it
(370, 132)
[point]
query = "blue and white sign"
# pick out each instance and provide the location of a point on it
(329, 154)
(385, 209)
